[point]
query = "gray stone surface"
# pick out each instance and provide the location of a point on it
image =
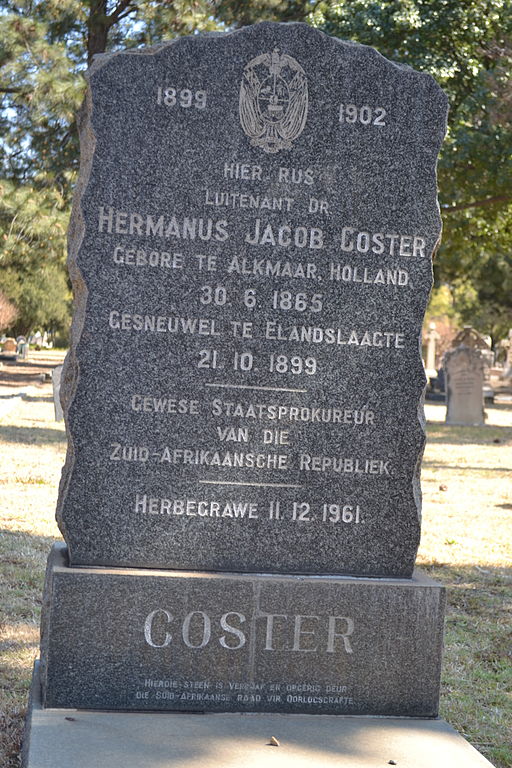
(464, 370)
(251, 254)
(168, 640)
(57, 738)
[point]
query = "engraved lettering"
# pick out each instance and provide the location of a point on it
(269, 633)
(232, 630)
(333, 634)
(206, 629)
(299, 632)
(285, 236)
(382, 244)
(148, 629)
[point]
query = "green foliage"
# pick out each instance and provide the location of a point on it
(8, 312)
(441, 304)
(239, 13)
(46, 44)
(44, 51)
(466, 46)
(32, 230)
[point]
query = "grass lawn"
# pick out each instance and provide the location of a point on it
(466, 545)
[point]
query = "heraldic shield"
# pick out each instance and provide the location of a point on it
(273, 101)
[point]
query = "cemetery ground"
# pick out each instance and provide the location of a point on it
(466, 545)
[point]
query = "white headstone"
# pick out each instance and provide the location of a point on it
(464, 370)
(56, 376)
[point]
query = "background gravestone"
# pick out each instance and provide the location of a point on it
(464, 369)
(251, 252)
(56, 378)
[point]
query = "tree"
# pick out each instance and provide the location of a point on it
(240, 13)
(466, 47)
(8, 312)
(32, 274)
(44, 53)
(46, 45)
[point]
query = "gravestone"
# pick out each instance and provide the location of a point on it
(432, 337)
(251, 280)
(250, 249)
(155, 640)
(56, 377)
(9, 349)
(470, 337)
(508, 363)
(464, 370)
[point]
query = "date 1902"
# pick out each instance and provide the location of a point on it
(351, 113)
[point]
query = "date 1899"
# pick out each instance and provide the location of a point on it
(180, 97)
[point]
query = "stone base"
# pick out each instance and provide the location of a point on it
(210, 642)
(60, 738)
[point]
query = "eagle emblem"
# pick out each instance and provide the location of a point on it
(273, 101)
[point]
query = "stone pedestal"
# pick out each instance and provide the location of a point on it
(192, 641)
(61, 738)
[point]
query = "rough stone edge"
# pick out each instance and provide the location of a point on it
(76, 233)
(70, 374)
(100, 59)
(416, 482)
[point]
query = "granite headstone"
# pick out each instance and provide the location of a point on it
(464, 369)
(251, 252)
(9, 349)
(250, 249)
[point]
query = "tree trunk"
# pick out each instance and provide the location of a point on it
(98, 26)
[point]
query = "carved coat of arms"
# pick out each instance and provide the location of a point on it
(273, 101)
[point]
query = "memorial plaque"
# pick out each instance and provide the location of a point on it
(464, 386)
(164, 640)
(251, 254)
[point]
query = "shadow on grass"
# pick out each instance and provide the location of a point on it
(452, 435)
(20, 379)
(13, 542)
(32, 435)
(463, 467)
(33, 399)
(467, 574)
(477, 666)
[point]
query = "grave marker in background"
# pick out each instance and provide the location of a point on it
(56, 377)
(464, 370)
